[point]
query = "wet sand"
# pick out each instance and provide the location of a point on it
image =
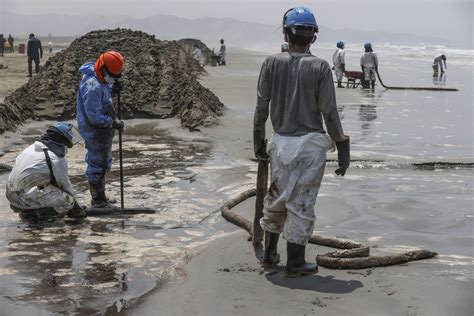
(384, 201)
(138, 265)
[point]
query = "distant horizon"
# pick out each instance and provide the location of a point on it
(449, 21)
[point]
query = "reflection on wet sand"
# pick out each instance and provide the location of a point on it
(439, 81)
(89, 266)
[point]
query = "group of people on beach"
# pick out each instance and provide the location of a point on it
(220, 58)
(369, 65)
(6, 44)
(295, 89)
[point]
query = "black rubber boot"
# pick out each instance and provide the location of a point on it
(77, 211)
(39, 215)
(339, 84)
(296, 265)
(372, 84)
(99, 199)
(270, 255)
(111, 200)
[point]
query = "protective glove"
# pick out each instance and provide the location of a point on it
(117, 87)
(118, 125)
(343, 156)
(78, 207)
(260, 145)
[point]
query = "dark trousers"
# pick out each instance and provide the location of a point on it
(36, 59)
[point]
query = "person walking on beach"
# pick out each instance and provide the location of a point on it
(438, 64)
(38, 186)
(11, 40)
(296, 89)
(96, 119)
(338, 59)
(35, 53)
(222, 53)
(369, 64)
(2, 45)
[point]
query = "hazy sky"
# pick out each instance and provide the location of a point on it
(439, 18)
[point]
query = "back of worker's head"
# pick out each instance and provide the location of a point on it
(299, 26)
(63, 133)
(340, 44)
(368, 47)
(222, 41)
(109, 66)
(31, 35)
(443, 57)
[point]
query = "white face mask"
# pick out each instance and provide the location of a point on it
(108, 79)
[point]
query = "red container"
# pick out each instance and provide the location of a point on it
(21, 48)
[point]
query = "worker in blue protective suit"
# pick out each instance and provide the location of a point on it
(96, 119)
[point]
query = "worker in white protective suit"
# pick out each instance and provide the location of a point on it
(438, 64)
(296, 89)
(222, 53)
(197, 53)
(38, 186)
(338, 59)
(369, 64)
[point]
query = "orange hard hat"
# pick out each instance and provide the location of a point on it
(112, 61)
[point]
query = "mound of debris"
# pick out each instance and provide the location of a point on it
(160, 80)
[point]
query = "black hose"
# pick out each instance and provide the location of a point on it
(412, 88)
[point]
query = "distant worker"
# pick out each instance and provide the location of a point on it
(50, 47)
(35, 52)
(284, 47)
(38, 186)
(297, 91)
(197, 53)
(369, 64)
(338, 59)
(222, 53)
(96, 119)
(11, 40)
(438, 64)
(2, 45)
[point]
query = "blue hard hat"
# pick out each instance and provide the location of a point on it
(340, 44)
(367, 45)
(68, 131)
(299, 16)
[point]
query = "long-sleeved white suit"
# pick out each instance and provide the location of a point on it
(29, 186)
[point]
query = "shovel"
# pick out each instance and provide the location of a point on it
(122, 206)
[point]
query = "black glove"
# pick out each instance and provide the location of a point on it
(117, 87)
(118, 125)
(78, 207)
(343, 156)
(260, 145)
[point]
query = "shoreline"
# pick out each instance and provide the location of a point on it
(387, 208)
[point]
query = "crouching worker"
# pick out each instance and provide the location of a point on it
(38, 186)
(296, 89)
(96, 119)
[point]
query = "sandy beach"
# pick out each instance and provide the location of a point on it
(187, 259)
(377, 203)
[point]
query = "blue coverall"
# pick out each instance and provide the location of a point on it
(95, 114)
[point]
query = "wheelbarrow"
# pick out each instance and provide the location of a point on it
(354, 78)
